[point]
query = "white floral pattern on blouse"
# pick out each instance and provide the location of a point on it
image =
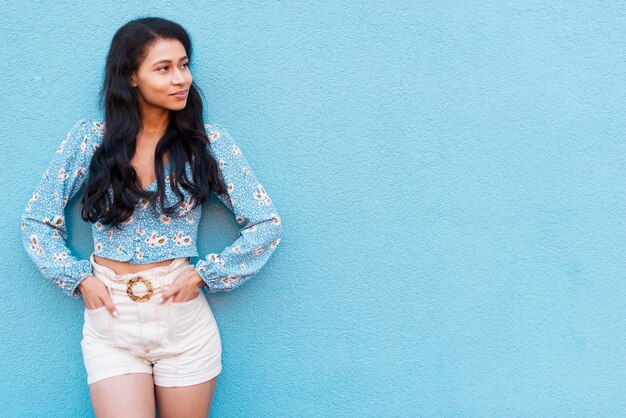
(148, 237)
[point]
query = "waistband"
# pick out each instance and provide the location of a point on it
(159, 277)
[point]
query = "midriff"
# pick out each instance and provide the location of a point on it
(124, 267)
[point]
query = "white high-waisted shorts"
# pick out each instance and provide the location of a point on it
(177, 342)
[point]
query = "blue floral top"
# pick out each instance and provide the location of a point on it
(149, 237)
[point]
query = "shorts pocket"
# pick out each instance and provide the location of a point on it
(185, 317)
(94, 310)
(98, 322)
(185, 302)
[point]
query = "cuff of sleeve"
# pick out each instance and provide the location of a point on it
(74, 291)
(201, 269)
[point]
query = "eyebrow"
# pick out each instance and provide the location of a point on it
(159, 62)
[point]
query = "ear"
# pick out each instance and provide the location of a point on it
(133, 80)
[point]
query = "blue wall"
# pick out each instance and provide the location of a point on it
(451, 181)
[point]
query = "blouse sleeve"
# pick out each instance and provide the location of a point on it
(43, 228)
(254, 211)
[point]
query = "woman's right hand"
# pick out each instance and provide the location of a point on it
(95, 295)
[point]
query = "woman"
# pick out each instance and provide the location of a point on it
(147, 168)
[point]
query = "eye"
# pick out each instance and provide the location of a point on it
(185, 64)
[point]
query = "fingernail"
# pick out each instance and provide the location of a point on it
(160, 299)
(115, 314)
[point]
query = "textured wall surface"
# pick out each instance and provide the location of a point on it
(451, 180)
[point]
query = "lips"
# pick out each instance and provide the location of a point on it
(180, 93)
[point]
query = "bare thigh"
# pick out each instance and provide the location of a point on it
(192, 401)
(128, 395)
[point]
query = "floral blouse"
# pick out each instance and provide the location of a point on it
(149, 237)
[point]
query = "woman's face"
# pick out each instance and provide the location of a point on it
(164, 71)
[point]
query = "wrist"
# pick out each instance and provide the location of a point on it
(199, 282)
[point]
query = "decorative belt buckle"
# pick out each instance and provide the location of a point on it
(129, 289)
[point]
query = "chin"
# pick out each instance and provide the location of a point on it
(179, 107)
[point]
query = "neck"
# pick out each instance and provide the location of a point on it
(154, 121)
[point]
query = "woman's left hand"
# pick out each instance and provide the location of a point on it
(186, 287)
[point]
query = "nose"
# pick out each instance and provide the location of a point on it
(178, 77)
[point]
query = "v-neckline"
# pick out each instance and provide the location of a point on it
(165, 169)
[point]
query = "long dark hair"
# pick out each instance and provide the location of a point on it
(112, 188)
